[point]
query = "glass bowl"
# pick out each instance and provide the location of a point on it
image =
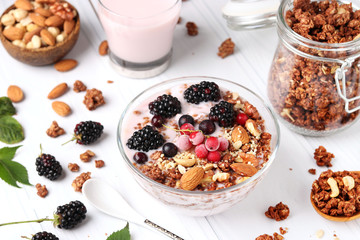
(199, 203)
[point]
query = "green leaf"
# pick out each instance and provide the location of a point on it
(6, 107)
(10, 130)
(123, 234)
(10, 171)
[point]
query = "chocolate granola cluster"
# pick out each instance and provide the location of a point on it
(303, 91)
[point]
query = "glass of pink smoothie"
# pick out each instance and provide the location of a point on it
(140, 34)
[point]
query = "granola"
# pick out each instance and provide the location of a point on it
(303, 91)
(73, 167)
(192, 29)
(346, 201)
(226, 48)
(86, 156)
(41, 190)
(99, 163)
(279, 212)
(79, 86)
(322, 157)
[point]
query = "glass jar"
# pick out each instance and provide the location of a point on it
(314, 86)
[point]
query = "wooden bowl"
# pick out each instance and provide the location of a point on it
(44, 55)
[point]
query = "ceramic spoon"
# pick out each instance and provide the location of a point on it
(334, 218)
(109, 201)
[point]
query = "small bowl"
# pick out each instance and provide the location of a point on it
(45, 55)
(200, 203)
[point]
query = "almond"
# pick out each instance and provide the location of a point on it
(239, 134)
(58, 91)
(43, 12)
(28, 36)
(103, 48)
(252, 127)
(61, 108)
(15, 93)
(65, 65)
(24, 4)
(191, 178)
(243, 169)
(249, 158)
(37, 19)
(48, 38)
(54, 21)
(69, 26)
(14, 33)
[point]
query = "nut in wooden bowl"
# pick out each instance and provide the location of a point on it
(39, 33)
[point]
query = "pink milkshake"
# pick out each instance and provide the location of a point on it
(140, 34)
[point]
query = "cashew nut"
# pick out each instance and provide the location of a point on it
(7, 20)
(221, 177)
(186, 162)
(349, 182)
(334, 187)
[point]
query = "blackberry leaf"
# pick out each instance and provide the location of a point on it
(123, 234)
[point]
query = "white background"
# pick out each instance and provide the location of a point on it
(192, 56)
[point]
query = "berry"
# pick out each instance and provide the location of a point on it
(187, 126)
(186, 119)
(201, 151)
(145, 139)
(157, 121)
(183, 143)
(140, 157)
(166, 106)
(196, 138)
(241, 118)
(207, 127)
(214, 156)
(223, 113)
(224, 144)
(212, 144)
(169, 149)
(87, 132)
(47, 166)
(71, 214)
(203, 92)
(44, 236)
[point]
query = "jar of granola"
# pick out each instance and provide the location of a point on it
(314, 79)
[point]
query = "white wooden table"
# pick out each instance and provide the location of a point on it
(192, 56)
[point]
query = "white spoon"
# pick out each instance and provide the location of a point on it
(109, 201)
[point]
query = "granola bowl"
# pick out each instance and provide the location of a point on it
(191, 183)
(39, 34)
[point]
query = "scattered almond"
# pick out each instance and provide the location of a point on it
(24, 4)
(15, 93)
(61, 108)
(58, 91)
(243, 169)
(54, 21)
(65, 65)
(252, 127)
(239, 134)
(103, 48)
(37, 19)
(191, 178)
(48, 38)
(14, 33)
(69, 26)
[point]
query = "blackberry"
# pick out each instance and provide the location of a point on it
(66, 217)
(223, 113)
(166, 106)
(202, 92)
(44, 236)
(87, 132)
(47, 166)
(145, 139)
(70, 214)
